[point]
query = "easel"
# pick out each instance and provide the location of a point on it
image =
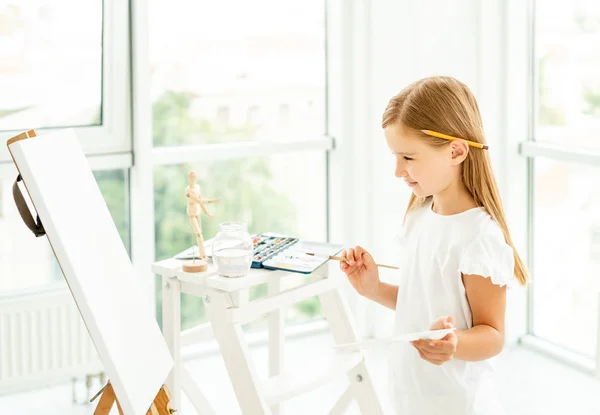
(124, 352)
(160, 406)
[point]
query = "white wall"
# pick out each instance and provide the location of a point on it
(404, 41)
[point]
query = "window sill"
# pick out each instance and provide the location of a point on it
(578, 361)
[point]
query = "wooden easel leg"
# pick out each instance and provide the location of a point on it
(162, 403)
(160, 406)
(107, 400)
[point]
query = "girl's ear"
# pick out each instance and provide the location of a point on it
(460, 149)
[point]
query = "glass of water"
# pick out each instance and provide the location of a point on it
(232, 249)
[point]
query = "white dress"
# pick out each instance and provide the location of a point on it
(435, 250)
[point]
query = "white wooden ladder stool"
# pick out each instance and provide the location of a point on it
(228, 308)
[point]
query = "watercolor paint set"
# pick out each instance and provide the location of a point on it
(295, 257)
(268, 245)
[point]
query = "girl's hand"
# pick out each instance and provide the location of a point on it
(438, 351)
(362, 271)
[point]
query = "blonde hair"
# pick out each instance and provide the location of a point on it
(446, 105)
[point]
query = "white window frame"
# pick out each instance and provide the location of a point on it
(108, 146)
(521, 151)
(114, 135)
(124, 141)
(147, 156)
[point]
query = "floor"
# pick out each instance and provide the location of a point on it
(530, 384)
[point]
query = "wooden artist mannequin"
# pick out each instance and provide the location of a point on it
(195, 204)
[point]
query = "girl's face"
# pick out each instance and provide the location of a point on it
(426, 169)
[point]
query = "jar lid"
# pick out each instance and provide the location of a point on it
(233, 226)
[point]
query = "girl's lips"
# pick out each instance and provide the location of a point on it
(410, 184)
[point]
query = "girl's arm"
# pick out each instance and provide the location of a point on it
(386, 295)
(488, 305)
(484, 340)
(363, 274)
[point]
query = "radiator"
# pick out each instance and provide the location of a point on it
(43, 341)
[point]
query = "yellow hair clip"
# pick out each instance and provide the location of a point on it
(449, 137)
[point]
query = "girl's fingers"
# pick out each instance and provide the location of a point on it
(354, 260)
(443, 346)
(368, 260)
(350, 256)
(450, 338)
(434, 347)
(449, 323)
(343, 264)
(358, 254)
(429, 358)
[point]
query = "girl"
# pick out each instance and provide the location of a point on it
(456, 258)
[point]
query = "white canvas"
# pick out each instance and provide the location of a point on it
(96, 266)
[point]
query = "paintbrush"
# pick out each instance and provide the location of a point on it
(339, 258)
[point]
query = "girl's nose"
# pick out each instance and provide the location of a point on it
(400, 169)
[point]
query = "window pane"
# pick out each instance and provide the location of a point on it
(114, 185)
(256, 73)
(50, 63)
(27, 262)
(283, 193)
(568, 64)
(567, 254)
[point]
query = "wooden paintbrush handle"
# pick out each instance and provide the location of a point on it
(387, 266)
(339, 258)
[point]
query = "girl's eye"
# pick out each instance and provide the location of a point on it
(407, 158)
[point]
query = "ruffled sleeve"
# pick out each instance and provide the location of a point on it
(490, 256)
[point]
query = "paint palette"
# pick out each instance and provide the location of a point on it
(406, 337)
(267, 246)
(294, 257)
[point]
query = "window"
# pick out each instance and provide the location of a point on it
(595, 245)
(265, 192)
(18, 272)
(222, 119)
(114, 186)
(253, 115)
(568, 63)
(564, 205)
(64, 64)
(60, 72)
(219, 80)
(57, 71)
(50, 64)
(565, 217)
(284, 114)
(206, 58)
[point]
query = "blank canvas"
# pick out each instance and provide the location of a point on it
(95, 265)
